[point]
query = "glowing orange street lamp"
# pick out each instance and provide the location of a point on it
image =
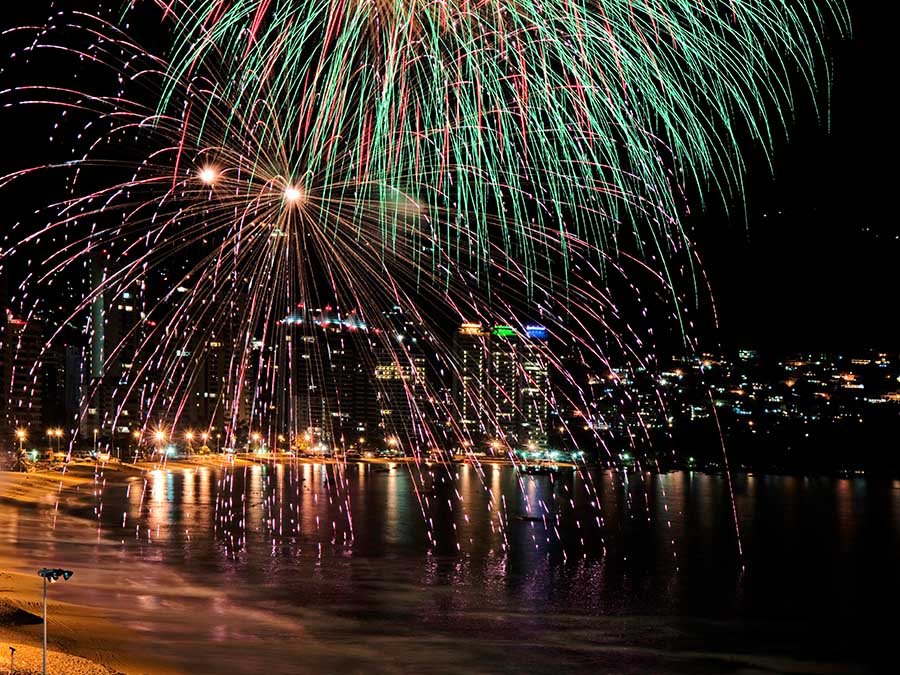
(136, 435)
(160, 437)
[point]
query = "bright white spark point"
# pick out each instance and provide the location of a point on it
(208, 175)
(292, 194)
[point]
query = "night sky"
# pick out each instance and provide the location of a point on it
(808, 261)
(814, 262)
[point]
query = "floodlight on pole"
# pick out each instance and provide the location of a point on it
(52, 575)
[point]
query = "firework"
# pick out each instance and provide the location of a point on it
(271, 208)
(540, 110)
(260, 223)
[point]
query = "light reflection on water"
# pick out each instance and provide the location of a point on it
(266, 566)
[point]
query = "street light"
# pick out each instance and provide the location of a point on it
(136, 435)
(51, 575)
(20, 459)
(160, 437)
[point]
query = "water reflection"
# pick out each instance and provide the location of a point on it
(345, 556)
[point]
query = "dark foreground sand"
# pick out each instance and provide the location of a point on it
(81, 641)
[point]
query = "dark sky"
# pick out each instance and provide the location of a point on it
(811, 261)
(815, 262)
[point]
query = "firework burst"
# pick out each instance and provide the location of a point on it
(326, 189)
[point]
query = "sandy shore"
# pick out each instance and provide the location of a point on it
(81, 641)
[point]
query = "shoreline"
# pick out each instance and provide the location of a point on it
(84, 634)
(81, 639)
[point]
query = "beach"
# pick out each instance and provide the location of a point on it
(205, 569)
(81, 639)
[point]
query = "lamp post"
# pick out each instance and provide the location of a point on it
(189, 437)
(394, 444)
(20, 460)
(51, 575)
(160, 437)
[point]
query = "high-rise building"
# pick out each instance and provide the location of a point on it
(400, 390)
(503, 382)
(534, 386)
(331, 365)
(503, 385)
(114, 401)
(53, 375)
(74, 356)
(400, 379)
(20, 378)
(207, 406)
(472, 363)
